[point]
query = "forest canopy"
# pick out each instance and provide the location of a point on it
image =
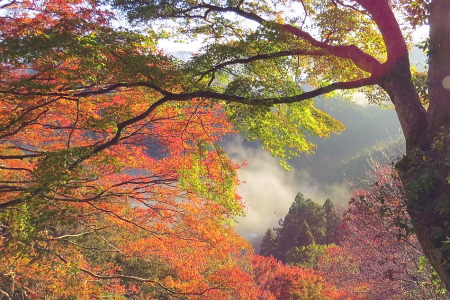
(103, 134)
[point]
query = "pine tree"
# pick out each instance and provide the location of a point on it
(291, 234)
(268, 244)
(332, 221)
(305, 236)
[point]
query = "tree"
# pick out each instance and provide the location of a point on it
(268, 244)
(99, 175)
(305, 256)
(332, 220)
(264, 52)
(305, 236)
(378, 256)
(255, 63)
(295, 241)
(303, 224)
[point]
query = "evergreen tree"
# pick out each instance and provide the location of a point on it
(305, 256)
(298, 204)
(268, 244)
(332, 222)
(306, 251)
(291, 234)
(305, 236)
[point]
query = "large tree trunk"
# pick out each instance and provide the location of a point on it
(424, 175)
(425, 168)
(430, 206)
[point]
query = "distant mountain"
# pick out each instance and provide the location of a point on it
(366, 126)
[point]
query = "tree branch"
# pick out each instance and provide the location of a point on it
(19, 156)
(294, 52)
(360, 58)
(140, 279)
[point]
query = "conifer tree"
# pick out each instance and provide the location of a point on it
(332, 221)
(268, 243)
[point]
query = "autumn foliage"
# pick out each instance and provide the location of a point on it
(378, 256)
(112, 182)
(107, 189)
(278, 281)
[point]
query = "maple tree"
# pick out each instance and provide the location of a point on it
(378, 256)
(278, 281)
(264, 53)
(97, 123)
(108, 187)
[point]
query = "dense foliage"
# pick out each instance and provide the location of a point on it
(303, 232)
(113, 181)
(378, 256)
(107, 189)
(109, 146)
(268, 54)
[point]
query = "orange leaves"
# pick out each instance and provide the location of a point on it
(105, 186)
(278, 281)
(125, 200)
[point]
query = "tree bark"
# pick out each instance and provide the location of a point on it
(424, 170)
(424, 174)
(439, 66)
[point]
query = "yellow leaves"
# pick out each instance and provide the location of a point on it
(279, 17)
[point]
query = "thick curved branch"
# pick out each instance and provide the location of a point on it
(20, 156)
(397, 74)
(382, 14)
(276, 100)
(88, 92)
(360, 58)
(346, 85)
(15, 169)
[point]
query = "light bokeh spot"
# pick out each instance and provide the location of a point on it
(446, 82)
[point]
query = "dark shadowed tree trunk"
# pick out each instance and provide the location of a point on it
(424, 169)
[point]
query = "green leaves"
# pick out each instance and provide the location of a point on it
(283, 129)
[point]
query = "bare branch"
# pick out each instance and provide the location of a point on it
(19, 156)
(294, 52)
(62, 237)
(15, 169)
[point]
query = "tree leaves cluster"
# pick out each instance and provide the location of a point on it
(82, 92)
(303, 233)
(378, 256)
(113, 180)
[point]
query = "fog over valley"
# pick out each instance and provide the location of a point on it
(268, 189)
